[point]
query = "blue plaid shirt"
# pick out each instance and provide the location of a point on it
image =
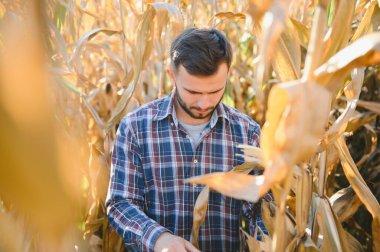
(152, 156)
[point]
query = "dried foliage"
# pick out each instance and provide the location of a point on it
(305, 70)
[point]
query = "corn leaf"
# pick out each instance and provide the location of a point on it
(365, 23)
(363, 52)
(339, 32)
(345, 203)
(286, 60)
(199, 215)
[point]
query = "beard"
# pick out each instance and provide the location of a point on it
(188, 109)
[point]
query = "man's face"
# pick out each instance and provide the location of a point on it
(198, 96)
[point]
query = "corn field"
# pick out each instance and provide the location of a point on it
(306, 70)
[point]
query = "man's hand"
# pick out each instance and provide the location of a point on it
(167, 242)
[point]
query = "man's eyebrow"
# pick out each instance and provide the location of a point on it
(195, 92)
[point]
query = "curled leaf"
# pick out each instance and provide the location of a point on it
(356, 180)
(200, 209)
(352, 92)
(363, 52)
(333, 233)
(295, 109)
(238, 186)
(345, 203)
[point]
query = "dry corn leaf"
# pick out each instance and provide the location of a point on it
(305, 244)
(302, 32)
(340, 30)
(199, 215)
(252, 156)
(286, 60)
(360, 8)
(303, 200)
(75, 60)
(118, 64)
(287, 120)
(376, 233)
(365, 23)
(359, 120)
(12, 233)
(315, 46)
(222, 16)
(359, 186)
(238, 186)
(280, 241)
(332, 157)
(247, 167)
(291, 205)
(371, 147)
(272, 27)
(94, 113)
(257, 8)
(175, 16)
(352, 92)
(230, 15)
(345, 203)
(34, 157)
(200, 207)
(363, 52)
(355, 179)
(351, 243)
(144, 44)
(68, 84)
(268, 212)
(256, 245)
(251, 151)
(333, 236)
(308, 245)
(60, 43)
(371, 106)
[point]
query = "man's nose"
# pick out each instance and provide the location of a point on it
(204, 102)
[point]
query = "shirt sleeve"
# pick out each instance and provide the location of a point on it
(125, 198)
(252, 211)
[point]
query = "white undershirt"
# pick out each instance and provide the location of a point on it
(195, 131)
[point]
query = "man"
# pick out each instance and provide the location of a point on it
(189, 133)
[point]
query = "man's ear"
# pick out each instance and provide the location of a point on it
(229, 71)
(171, 73)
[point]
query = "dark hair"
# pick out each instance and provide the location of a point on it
(200, 51)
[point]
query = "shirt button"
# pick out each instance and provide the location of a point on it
(195, 161)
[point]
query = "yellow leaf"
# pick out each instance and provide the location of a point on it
(286, 60)
(356, 180)
(331, 229)
(340, 30)
(365, 23)
(352, 92)
(200, 210)
(345, 203)
(238, 186)
(294, 109)
(363, 52)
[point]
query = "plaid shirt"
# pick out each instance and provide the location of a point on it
(153, 155)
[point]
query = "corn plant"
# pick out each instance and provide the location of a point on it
(305, 70)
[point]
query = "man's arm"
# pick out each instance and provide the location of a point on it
(125, 199)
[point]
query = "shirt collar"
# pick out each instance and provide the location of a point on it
(166, 108)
